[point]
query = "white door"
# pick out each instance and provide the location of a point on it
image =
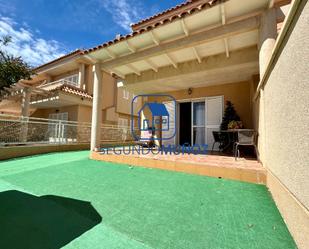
(168, 135)
(214, 114)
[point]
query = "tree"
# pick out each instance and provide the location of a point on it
(12, 68)
(229, 115)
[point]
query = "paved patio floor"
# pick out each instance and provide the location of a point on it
(66, 200)
(210, 164)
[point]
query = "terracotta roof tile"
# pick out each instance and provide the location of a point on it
(73, 90)
(174, 11)
(188, 11)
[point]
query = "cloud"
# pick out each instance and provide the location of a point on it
(124, 12)
(26, 44)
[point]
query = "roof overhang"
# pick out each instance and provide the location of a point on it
(218, 69)
(59, 99)
(61, 65)
(65, 65)
(223, 29)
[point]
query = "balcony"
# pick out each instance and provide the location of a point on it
(59, 93)
(57, 84)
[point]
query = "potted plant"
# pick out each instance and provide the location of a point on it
(235, 125)
(230, 116)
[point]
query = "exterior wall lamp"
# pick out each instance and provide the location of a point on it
(190, 90)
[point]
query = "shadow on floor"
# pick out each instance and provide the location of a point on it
(46, 222)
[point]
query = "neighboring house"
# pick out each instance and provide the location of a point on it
(63, 89)
(206, 52)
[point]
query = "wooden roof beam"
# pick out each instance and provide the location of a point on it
(134, 69)
(130, 47)
(154, 38)
(223, 20)
(217, 33)
(184, 27)
(152, 65)
(223, 16)
(198, 57)
(170, 59)
(110, 53)
(226, 45)
(118, 73)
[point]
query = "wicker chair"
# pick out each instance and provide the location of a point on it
(245, 138)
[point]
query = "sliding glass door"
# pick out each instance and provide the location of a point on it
(198, 122)
(198, 119)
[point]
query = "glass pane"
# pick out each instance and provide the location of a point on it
(198, 135)
(198, 113)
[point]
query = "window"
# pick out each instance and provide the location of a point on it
(72, 80)
(126, 94)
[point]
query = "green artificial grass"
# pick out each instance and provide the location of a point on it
(106, 205)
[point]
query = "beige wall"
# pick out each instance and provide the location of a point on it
(84, 113)
(286, 115)
(78, 113)
(124, 105)
(10, 107)
(108, 90)
(21, 151)
(283, 107)
(71, 110)
(89, 79)
(110, 115)
(238, 93)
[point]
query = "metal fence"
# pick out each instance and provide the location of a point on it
(21, 130)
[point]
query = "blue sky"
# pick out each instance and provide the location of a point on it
(45, 29)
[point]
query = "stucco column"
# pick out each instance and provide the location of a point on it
(81, 76)
(267, 38)
(96, 108)
(25, 104)
(25, 107)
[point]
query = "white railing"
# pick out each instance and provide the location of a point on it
(16, 130)
(55, 84)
